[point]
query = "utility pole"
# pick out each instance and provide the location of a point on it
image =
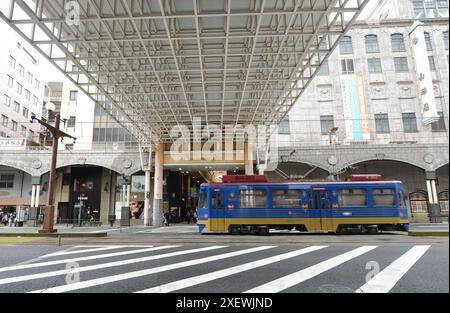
(47, 227)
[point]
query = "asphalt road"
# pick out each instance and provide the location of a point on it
(229, 264)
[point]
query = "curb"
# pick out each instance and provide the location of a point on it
(428, 233)
(67, 235)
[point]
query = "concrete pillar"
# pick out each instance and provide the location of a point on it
(158, 185)
(248, 158)
(147, 213)
(33, 194)
(433, 201)
(36, 197)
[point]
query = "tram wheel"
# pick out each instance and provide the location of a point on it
(263, 231)
(234, 231)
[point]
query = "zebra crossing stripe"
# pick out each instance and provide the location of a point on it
(78, 259)
(192, 281)
(81, 251)
(16, 279)
(293, 279)
(119, 277)
(385, 280)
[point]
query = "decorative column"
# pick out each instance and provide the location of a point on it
(434, 210)
(158, 185)
(125, 214)
(147, 206)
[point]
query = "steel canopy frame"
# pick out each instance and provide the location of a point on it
(155, 64)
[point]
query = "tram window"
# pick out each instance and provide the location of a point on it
(383, 197)
(286, 198)
(352, 197)
(400, 199)
(216, 201)
(203, 199)
(252, 198)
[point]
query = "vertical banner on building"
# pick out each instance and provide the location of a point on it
(363, 107)
(424, 79)
(347, 108)
(355, 108)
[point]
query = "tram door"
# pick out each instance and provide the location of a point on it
(217, 211)
(323, 209)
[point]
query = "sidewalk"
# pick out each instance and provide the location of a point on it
(428, 229)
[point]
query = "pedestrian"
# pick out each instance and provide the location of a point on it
(166, 219)
(194, 216)
(188, 216)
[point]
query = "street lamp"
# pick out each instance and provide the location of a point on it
(56, 134)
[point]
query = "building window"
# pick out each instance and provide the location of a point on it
(21, 70)
(397, 43)
(418, 202)
(12, 62)
(30, 78)
(324, 69)
(4, 120)
(439, 126)
(6, 100)
(13, 125)
(443, 201)
(286, 198)
(6, 181)
(73, 95)
(35, 100)
(252, 199)
(372, 44)
(23, 131)
(36, 83)
(409, 122)
(283, 127)
(382, 123)
(445, 36)
(374, 65)
(431, 63)
(345, 45)
(347, 66)
(430, 8)
(19, 88)
(71, 121)
(401, 64)
(428, 41)
(326, 123)
(16, 106)
(10, 81)
(25, 112)
(352, 197)
(30, 134)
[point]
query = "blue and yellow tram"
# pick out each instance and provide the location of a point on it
(250, 204)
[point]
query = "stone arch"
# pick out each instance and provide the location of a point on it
(90, 163)
(17, 165)
(371, 158)
(441, 164)
(296, 168)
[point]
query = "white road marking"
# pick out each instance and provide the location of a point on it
(385, 280)
(78, 259)
(192, 281)
(119, 277)
(81, 251)
(104, 265)
(293, 279)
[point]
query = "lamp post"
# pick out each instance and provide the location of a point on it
(47, 227)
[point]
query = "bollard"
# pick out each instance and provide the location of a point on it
(59, 240)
